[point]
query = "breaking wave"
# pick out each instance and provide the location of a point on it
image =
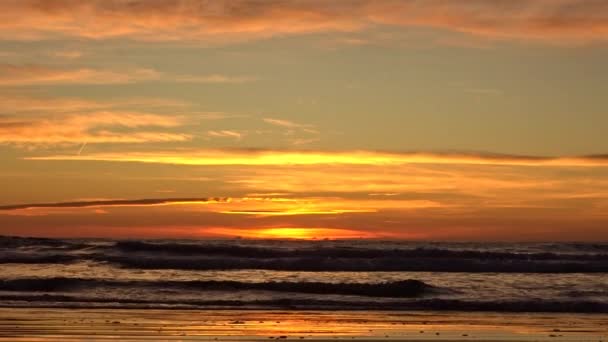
(394, 264)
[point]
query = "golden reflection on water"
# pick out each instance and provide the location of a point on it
(179, 325)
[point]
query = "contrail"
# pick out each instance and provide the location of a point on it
(82, 148)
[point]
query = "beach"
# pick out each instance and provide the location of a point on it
(59, 324)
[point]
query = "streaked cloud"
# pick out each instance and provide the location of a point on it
(261, 212)
(224, 20)
(226, 134)
(214, 115)
(114, 203)
(291, 125)
(288, 157)
(282, 123)
(298, 134)
(18, 75)
(93, 127)
(214, 78)
(66, 54)
(298, 205)
(23, 104)
(22, 75)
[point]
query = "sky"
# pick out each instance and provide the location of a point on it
(422, 120)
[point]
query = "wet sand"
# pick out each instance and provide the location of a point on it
(28, 324)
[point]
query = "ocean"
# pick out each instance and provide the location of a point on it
(292, 274)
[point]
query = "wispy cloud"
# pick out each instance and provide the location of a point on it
(215, 78)
(22, 75)
(286, 157)
(304, 141)
(266, 213)
(66, 54)
(44, 120)
(18, 75)
(227, 20)
(291, 125)
(114, 203)
(284, 123)
(294, 128)
(94, 127)
(57, 105)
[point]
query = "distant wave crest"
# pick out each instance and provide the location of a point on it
(396, 289)
(310, 256)
(69, 301)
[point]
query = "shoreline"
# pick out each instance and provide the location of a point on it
(297, 309)
(56, 324)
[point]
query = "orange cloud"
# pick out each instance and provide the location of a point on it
(389, 191)
(18, 75)
(167, 20)
(21, 75)
(299, 205)
(297, 211)
(28, 104)
(223, 20)
(288, 157)
(560, 21)
(500, 215)
(328, 185)
(90, 128)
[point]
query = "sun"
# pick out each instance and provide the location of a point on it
(293, 233)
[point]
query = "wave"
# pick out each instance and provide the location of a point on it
(234, 250)
(260, 249)
(359, 264)
(397, 289)
(17, 241)
(68, 301)
(23, 258)
(13, 242)
(318, 264)
(353, 256)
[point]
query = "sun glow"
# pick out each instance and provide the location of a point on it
(292, 233)
(234, 157)
(297, 211)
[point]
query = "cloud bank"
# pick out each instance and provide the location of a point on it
(226, 20)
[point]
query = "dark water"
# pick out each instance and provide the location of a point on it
(344, 274)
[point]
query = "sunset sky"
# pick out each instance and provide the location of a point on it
(422, 120)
